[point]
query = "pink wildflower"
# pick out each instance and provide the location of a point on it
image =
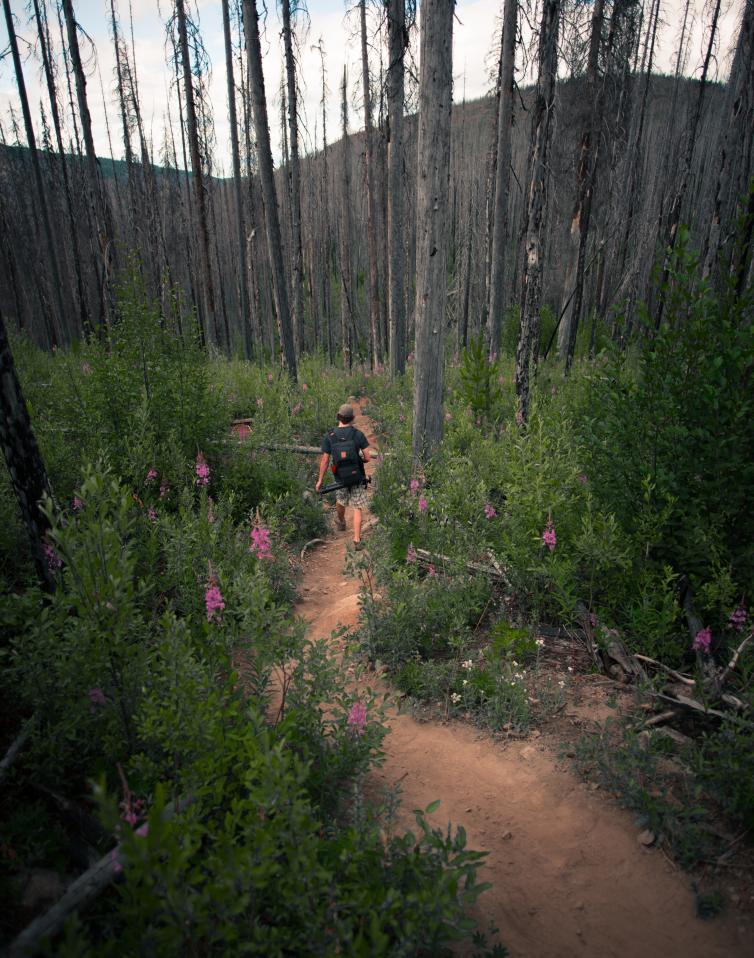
(96, 698)
(151, 475)
(489, 511)
(357, 718)
(582, 478)
(479, 420)
(401, 418)
(422, 504)
(116, 865)
(214, 602)
(164, 489)
(304, 386)
(548, 536)
(54, 562)
(132, 810)
(414, 486)
(737, 618)
(410, 358)
(431, 570)
(260, 543)
(411, 554)
(702, 641)
(202, 471)
(152, 513)
(143, 830)
(448, 416)
(270, 377)
(77, 504)
(296, 409)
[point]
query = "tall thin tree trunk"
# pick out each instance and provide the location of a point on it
(23, 458)
(102, 215)
(500, 231)
(62, 326)
(346, 289)
(269, 195)
(243, 288)
(433, 174)
(294, 174)
(398, 41)
(373, 293)
(536, 216)
(212, 331)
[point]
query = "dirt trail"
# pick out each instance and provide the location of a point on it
(568, 874)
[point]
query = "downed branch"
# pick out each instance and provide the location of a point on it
(311, 542)
(685, 679)
(15, 748)
(494, 570)
(78, 895)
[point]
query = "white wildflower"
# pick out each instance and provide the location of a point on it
(465, 681)
(561, 683)
(455, 698)
(468, 664)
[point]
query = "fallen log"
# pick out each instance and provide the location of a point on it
(15, 748)
(78, 895)
(433, 558)
(685, 679)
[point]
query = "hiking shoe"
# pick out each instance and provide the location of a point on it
(340, 523)
(358, 546)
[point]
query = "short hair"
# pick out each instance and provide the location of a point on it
(344, 418)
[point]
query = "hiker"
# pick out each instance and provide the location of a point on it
(349, 449)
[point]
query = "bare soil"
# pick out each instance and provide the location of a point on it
(569, 876)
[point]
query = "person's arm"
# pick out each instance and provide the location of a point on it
(324, 459)
(364, 447)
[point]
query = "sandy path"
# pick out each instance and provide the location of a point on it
(568, 875)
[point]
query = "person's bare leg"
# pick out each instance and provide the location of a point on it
(341, 510)
(357, 525)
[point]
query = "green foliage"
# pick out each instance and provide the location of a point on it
(478, 382)
(725, 765)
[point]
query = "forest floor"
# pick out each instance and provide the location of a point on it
(569, 875)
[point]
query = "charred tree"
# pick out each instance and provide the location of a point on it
(433, 173)
(269, 194)
(536, 213)
(347, 319)
(373, 293)
(397, 43)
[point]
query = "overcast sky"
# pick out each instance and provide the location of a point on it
(474, 29)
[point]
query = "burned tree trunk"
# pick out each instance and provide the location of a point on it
(346, 286)
(243, 287)
(536, 214)
(62, 331)
(269, 194)
(433, 173)
(398, 41)
(373, 294)
(212, 331)
(500, 231)
(25, 467)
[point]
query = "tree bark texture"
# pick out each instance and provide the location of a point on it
(500, 231)
(536, 216)
(433, 173)
(212, 328)
(373, 293)
(269, 194)
(23, 459)
(397, 43)
(346, 286)
(243, 273)
(294, 175)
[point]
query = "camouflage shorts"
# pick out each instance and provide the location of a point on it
(353, 496)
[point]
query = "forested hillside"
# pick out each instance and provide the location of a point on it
(376, 541)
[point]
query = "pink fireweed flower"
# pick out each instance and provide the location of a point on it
(143, 830)
(152, 513)
(548, 536)
(132, 810)
(702, 641)
(737, 618)
(414, 486)
(410, 358)
(357, 718)
(77, 504)
(202, 471)
(213, 600)
(401, 418)
(270, 377)
(304, 386)
(411, 554)
(54, 562)
(151, 475)
(582, 478)
(296, 409)
(490, 511)
(115, 860)
(422, 504)
(260, 542)
(431, 570)
(164, 489)
(96, 699)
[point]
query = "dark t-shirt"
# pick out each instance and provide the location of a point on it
(359, 438)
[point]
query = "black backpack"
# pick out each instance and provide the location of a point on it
(347, 463)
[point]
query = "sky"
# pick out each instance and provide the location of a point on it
(329, 21)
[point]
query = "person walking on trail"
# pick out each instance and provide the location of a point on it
(348, 448)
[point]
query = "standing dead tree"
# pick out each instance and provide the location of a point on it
(433, 174)
(373, 293)
(536, 211)
(500, 231)
(397, 43)
(347, 318)
(267, 176)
